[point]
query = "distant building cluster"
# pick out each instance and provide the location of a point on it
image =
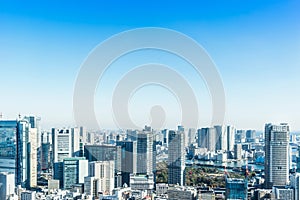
(75, 163)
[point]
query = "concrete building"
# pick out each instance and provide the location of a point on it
(92, 187)
(283, 192)
(26, 158)
(141, 182)
(106, 153)
(75, 141)
(181, 192)
(191, 137)
(161, 189)
(104, 172)
(7, 185)
(221, 138)
(276, 155)
(28, 195)
(176, 158)
(62, 144)
(230, 132)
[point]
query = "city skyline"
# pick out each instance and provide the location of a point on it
(255, 46)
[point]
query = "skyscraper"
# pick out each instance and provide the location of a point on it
(207, 138)
(62, 144)
(221, 138)
(176, 158)
(276, 151)
(8, 145)
(26, 159)
(128, 159)
(74, 171)
(104, 172)
(145, 152)
(230, 131)
(250, 135)
(191, 136)
(106, 153)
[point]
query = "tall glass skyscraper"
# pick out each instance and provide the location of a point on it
(8, 145)
(18, 150)
(176, 158)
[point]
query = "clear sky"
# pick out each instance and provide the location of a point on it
(255, 45)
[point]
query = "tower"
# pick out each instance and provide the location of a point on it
(176, 158)
(276, 151)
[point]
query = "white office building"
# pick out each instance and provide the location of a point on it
(104, 172)
(276, 155)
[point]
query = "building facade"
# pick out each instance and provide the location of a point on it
(176, 158)
(74, 171)
(276, 155)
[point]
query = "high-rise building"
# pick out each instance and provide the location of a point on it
(145, 152)
(191, 136)
(62, 144)
(145, 159)
(128, 159)
(75, 141)
(45, 156)
(58, 171)
(28, 195)
(240, 136)
(176, 158)
(106, 153)
(8, 145)
(276, 155)
(207, 138)
(236, 189)
(104, 172)
(238, 151)
(7, 185)
(26, 159)
(18, 149)
(74, 171)
(165, 134)
(221, 138)
(230, 131)
(250, 135)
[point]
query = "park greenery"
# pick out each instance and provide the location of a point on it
(198, 175)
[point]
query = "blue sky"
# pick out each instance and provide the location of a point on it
(255, 45)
